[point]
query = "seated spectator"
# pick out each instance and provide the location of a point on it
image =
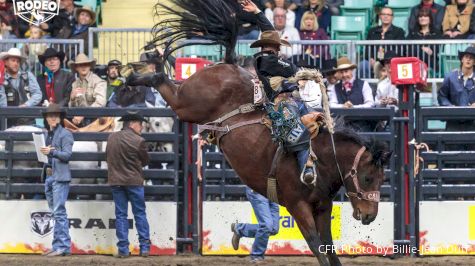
(60, 26)
(55, 83)
(309, 30)
(437, 12)
(386, 31)
(321, 11)
(288, 33)
(251, 21)
(424, 31)
(456, 21)
(32, 50)
(84, 17)
(290, 15)
(113, 77)
(386, 92)
(351, 92)
(88, 90)
(20, 88)
(8, 20)
(332, 76)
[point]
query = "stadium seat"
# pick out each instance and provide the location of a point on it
(348, 28)
(356, 8)
(401, 22)
(91, 3)
(440, 2)
(402, 8)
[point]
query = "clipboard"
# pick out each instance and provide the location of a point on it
(39, 140)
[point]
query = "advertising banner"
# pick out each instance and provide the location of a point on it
(28, 227)
(349, 235)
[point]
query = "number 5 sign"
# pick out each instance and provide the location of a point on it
(408, 71)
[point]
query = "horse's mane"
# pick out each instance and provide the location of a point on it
(378, 149)
(211, 20)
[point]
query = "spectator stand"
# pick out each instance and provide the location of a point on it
(70, 47)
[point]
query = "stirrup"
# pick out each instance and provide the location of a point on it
(314, 173)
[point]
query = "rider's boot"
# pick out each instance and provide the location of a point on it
(302, 157)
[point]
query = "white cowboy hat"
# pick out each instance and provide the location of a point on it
(12, 52)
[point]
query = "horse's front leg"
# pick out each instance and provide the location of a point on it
(323, 220)
(303, 215)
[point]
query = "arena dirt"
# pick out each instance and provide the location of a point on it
(186, 260)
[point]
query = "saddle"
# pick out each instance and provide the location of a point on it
(102, 124)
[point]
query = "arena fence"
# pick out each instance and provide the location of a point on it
(167, 176)
(32, 48)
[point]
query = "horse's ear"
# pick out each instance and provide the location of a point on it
(382, 157)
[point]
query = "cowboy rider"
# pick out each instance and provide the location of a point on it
(269, 65)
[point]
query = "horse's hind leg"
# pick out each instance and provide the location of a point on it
(303, 215)
(323, 221)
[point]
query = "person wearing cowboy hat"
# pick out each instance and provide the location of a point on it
(332, 77)
(20, 88)
(126, 155)
(386, 92)
(84, 17)
(458, 89)
(55, 83)
(88, 90)
(351, 92)
(57, 176)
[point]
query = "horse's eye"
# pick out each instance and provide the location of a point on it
(368, 180)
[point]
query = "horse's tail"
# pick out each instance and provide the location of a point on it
(198, 20)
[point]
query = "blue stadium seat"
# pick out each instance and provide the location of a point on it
(402, 8)
(401, 22)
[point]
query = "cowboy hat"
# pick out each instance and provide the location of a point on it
(269, 37)
(344, 63)
(328, 66)
(87, 9)
(49, 53)
(132, 116)
(468, 50)
(54, 108)
(12, 52)
(82, 59)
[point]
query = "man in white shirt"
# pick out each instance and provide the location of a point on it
(351, 92)
(288, 33)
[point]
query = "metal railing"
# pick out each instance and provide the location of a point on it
(448, 170)
(32, 48)
(441, 56)
(163, 181)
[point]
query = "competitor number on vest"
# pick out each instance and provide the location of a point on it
(295, 134)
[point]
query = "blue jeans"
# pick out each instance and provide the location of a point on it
(302, 157)
(135, 194)
(267, 214)
(56, 195)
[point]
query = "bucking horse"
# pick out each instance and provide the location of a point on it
(222, 94)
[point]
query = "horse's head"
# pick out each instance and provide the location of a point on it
(363, 185)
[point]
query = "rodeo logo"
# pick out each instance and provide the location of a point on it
(36, 11)
(42, 223)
